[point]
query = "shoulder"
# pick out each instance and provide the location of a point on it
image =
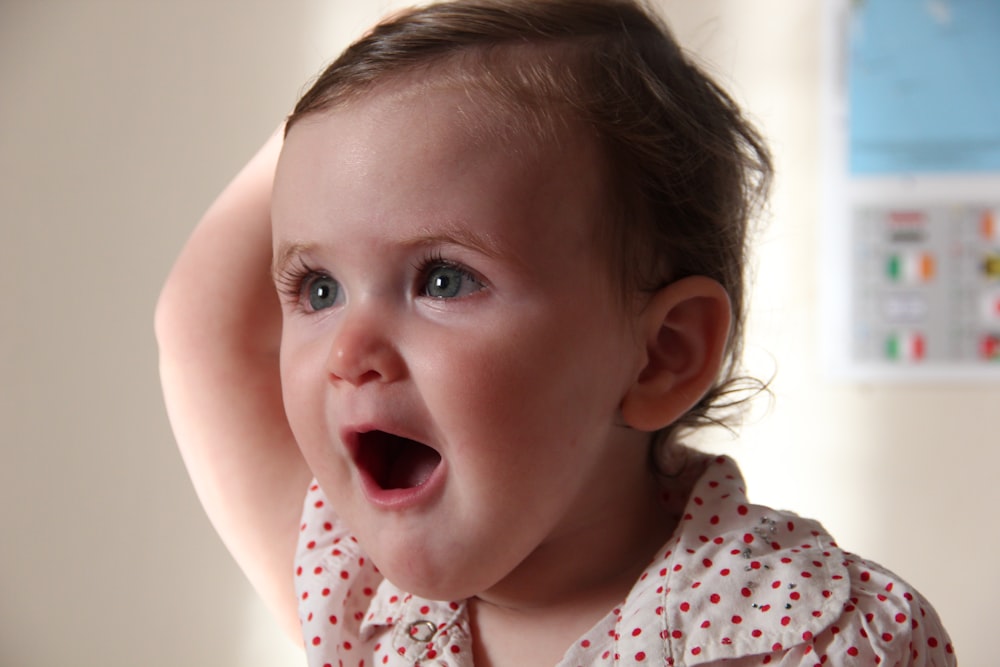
(746, 583)
(884, 620)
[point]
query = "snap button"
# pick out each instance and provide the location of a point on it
(422, 631)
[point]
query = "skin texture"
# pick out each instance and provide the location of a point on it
(530, 379)
(516, 381)
(439, 280)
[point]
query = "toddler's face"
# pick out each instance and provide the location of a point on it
(453, 354)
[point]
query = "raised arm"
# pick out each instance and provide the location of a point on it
(218, 326)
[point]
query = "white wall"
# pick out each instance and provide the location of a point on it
(120, 120)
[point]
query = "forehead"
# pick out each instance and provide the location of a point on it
(437, 153)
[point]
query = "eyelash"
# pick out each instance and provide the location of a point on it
(295, 279)
(435, 260)
(292, 282)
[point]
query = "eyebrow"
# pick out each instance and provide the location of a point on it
(485, 244)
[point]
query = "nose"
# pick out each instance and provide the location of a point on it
(363, 349)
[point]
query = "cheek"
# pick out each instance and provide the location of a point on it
(302, 388)
(539, 380)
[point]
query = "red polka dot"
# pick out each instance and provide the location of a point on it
(737, 620)
(640, 656)
(316, 640)
(636, 632)
(853, 651)
(714, 598)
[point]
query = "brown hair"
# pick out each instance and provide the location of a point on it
(685, 170)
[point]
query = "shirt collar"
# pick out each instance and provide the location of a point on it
(735, 580)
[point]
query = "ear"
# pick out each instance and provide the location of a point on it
(686, 326)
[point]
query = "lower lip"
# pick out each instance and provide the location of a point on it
(404, 499)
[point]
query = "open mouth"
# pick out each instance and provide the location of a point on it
(394, 462)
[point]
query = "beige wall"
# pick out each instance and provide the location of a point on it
(119, 121)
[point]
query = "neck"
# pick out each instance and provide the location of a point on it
(572, 581)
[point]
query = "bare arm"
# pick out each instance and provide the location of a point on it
(218, 328)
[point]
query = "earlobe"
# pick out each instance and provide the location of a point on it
(686, 326)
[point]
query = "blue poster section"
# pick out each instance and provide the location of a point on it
(924, 86)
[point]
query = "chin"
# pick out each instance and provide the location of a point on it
(440, 581)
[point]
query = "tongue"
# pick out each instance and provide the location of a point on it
(408, 464)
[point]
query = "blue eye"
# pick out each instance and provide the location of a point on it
(323, 292)
(445, 281)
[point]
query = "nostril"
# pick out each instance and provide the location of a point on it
(360, 353)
